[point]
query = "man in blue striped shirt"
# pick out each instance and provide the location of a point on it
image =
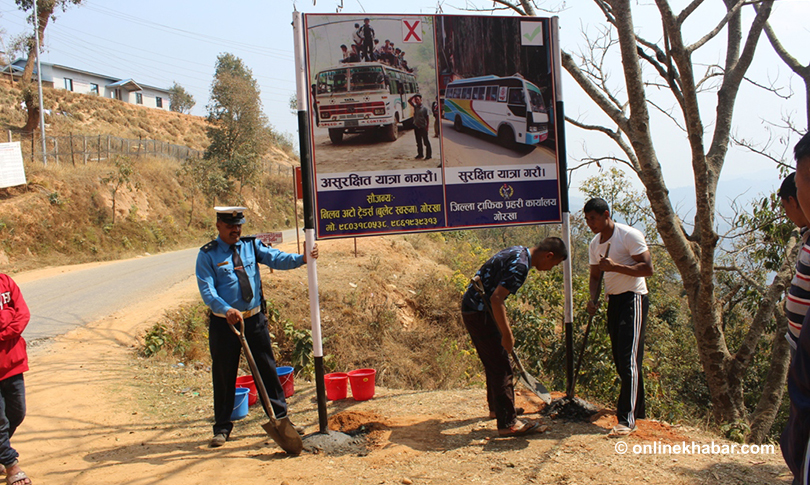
(230, 284)
(795, 440)
(798, 299)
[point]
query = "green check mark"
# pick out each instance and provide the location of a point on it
(530, 37)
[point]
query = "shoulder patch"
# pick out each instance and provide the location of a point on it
(209, 246)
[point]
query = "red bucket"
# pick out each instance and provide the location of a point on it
(247, 381)
(336, 385)
(362, 381)
(285, 376)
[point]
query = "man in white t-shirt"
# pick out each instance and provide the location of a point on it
(625, 268)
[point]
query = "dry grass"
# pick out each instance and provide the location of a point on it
(65, 213)
(388, 308)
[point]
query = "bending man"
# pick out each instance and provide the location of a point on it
(502, 275)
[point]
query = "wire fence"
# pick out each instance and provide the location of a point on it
(82, 149)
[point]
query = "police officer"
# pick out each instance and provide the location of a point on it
(230, 284)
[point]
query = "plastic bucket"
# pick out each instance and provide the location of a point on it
(247, 381)
(285, 375)
(337, 384)
(362, 382)
(240, 403)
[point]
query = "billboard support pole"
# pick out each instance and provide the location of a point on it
(302, 92)
(559, 125)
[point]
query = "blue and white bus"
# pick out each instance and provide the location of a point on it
(510, 108)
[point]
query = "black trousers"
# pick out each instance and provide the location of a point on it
(422, 138)
(500, 388)
(627, 320)
(225, 351)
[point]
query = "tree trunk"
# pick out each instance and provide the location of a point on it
(774, 388)
(44, 12)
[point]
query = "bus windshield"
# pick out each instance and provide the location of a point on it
(536, 101)
(332, 81)
(367, 78)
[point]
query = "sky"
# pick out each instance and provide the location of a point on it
(159, 43)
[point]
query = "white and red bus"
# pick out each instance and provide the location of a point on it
(362, 96)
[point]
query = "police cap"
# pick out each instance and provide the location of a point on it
(231, 215)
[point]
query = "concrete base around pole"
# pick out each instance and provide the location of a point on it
(334, 443)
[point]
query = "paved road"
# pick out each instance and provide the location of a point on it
(473, 149)
(61, 303)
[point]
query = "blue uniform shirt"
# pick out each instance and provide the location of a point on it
(217, 281)
(508, 268)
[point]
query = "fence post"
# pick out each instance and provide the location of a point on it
(9, 136)
(56, 149)
(32, 147)
(98, 159)
(84, 149)
(72, 153)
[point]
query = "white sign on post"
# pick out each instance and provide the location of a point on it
(12, 171)
(270, 238)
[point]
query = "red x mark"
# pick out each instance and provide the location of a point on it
(412, 31)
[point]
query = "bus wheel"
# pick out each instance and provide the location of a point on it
(506, 136)
(457, 124)
(391, 131)
(336, 135)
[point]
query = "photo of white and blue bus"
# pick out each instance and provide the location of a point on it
(509, 108)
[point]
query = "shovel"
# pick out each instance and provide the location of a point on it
(587, 331)
(281, 430)
(525, 378)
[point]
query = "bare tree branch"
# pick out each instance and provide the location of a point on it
(761, 151)
(767, 306)
(511, 6)
(667, 114)
(604, 103)
(686, 12)
(706, 38)
(744, 275)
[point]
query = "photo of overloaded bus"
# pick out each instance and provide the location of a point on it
(509, 108)
(364, 96)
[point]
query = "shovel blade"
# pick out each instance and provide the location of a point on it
(285, 436)
(536, 387)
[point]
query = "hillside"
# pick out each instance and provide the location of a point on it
(65, 212)
(83, 114)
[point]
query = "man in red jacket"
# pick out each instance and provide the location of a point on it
(14, 316)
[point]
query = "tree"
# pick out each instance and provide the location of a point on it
(120, 178)
(180, 100)
(694, 251)
(238, 126)
(649, 68)
(202, 175)
(45, 12)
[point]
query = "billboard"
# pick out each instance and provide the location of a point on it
(430, 122)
